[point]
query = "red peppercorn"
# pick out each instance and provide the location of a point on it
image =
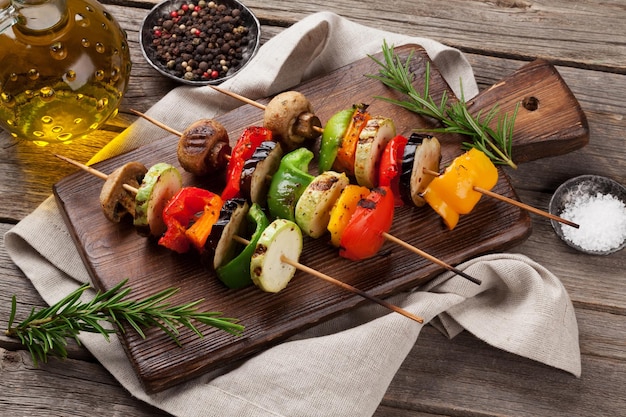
(174, 13)
(214, 74)
(157, 33)
(197, 8)
(185, 7)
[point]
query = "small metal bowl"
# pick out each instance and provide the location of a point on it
(248, 20)
(577, 188)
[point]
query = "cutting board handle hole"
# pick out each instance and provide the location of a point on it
(530, 103)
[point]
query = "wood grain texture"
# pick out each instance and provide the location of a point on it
(586, 40)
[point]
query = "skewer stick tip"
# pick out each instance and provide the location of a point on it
(431, 258)
(156, 123)
(350, 288)
(238, 97)
(525, 206)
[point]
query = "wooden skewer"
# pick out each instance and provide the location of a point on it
(514, 202)
(350, 288)
(341, 284)
(94, 172)
(284, 259)
(238, 97)
(430, 258)
(157, 123)
(525, 207)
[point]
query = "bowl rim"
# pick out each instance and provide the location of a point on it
(144, 31)
(580, 179)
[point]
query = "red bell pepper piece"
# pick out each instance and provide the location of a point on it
(182, 212)
(391, 166)
(247, 143)
(363, 236)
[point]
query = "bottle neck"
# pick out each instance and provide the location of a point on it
(38, 16)
(8, 15)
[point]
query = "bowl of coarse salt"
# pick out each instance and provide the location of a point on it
(598, 206)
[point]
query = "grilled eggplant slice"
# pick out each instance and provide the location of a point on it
(221, 246)
(257, 172)
(421, 152)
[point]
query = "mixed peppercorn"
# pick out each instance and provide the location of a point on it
(203, 41)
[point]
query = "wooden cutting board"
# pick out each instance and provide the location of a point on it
(554, 124)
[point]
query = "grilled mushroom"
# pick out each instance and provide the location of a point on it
(203, 147)
(116, 201)
(290, 116)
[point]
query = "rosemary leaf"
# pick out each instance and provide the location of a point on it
(45, 332)
(454, 118)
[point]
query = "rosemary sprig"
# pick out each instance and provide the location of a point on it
(455, 118)
(45, 332)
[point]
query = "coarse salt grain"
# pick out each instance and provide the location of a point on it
(601, 219)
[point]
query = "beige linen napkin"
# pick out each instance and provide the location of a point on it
(344, 366)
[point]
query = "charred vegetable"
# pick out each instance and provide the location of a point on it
(221, 246)
(184, 216)
(288, 184)
(235, 273)
(257, 171)
(250, 139)
(372, 142)
(452, 193)
(203, 147)
(314, 205)
(363, 236)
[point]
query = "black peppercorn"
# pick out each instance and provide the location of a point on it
(200, 41)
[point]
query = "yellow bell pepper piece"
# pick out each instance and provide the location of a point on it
(344, 209)
(452, 193)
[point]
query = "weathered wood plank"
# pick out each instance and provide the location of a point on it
(63, 388)
(463, 376)
(573, 36)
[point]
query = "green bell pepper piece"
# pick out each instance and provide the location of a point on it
(236, 273)
(288, 184)
(334, 130)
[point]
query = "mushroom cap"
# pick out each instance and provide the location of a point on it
(202, 147)
(115, 200)
(281, 114)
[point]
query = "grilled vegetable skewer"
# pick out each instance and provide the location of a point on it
(271, 265)
(325, 163)
(292, 178)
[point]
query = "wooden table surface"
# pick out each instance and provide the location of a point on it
(585, 39)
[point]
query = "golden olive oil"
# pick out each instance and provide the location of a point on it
(65, 68)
